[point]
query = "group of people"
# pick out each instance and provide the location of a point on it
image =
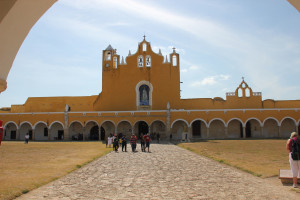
(121, 140)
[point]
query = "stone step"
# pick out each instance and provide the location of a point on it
(285, 175)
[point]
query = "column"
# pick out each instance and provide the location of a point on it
(278, 134)
(66, 128)
(207, 133)
(244, 131)
(49, 136)
(99, 132)
(83, 134)
(262, 132)
(33, 134)
(189, 134)
(18, 133)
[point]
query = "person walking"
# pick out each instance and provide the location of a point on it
(124, 143)
(116, 144)
(147, 140)
(133, 140)
(142, 143)
(26, 138)
(110, 140)
(293, 146)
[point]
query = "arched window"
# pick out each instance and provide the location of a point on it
(115, 62)
(108, 55)
(148, 61)
(144, 95)
(174, 60)
(240, 92)
(144, 47)
(140, 61)
(247, 92)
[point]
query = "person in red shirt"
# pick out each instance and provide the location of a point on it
(147, 139)
(133, 140)
(295, 164)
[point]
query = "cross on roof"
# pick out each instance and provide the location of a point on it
(144, 37)
(243, 77)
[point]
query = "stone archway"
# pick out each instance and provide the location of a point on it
(56, 131)
(271, 128)
(217, 129)
(26, 128)
(253, 129)
(179, 130)
(124, 128)
(158, 127)
(91, 131)
(107, 128)
(41, 131)
(10, 132)
(199, 129)
(235, 129)
(141, 127)
(287, 127)
(76, 131)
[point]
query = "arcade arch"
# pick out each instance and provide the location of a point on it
(10, 131)
(199, 128)
(271, 128)
(125, 128)
(179, 129)
(288, 125)
(41, 131)
(158, 127)
(235, 128)
(217, 129)
(76, 131)
(253, 128)
(56, 131)
(25, 128)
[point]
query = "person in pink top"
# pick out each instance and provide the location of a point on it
(295, 164)
(147, 139)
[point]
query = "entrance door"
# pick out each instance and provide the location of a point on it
(143, 128)
(248, 130)
(60, 134)
(94, 133)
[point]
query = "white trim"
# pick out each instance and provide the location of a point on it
(140, 121)
(108, 121)
(158, 120)
(25, 123)
(137, 92)
(58, 123)
(91, 121)
(124, 121)
(180, 120)
(172, 110)
(75, 122)
(288, 118)
(12, 123)
(271, 118)
(215, 119)
(260, 123)
(199, 120)
(40, 122)
(235, 119)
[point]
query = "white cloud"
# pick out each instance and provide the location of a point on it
(211, 80)
(183, 70)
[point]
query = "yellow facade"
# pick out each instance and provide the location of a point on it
(141, 94)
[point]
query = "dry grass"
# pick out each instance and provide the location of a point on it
(24, 167)
(262, 158)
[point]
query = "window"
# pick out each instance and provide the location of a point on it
(247, 91)
(115, 62)
(108, 55)
(140, 61)
(144, 47)
(45, 132)
(148, 61)
(174, 60)
(240, 92)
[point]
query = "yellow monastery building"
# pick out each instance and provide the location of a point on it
(141, 94)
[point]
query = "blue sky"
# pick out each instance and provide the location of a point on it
(219, 42)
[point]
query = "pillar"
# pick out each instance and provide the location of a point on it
(207, 133)
(244, 131)
(66, 128)
(99, 132)
(18, 133)
(262, 131)
(33, 134)
(226, 132)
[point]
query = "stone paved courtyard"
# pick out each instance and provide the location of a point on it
(168, 172)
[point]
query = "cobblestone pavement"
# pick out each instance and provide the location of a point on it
(168, 172)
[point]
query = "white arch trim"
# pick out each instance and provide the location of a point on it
(56, 122)
(12, 123)
(124, 121)
(199, 120)
(27, 123)
(91, 121)
(215, 120)
(75, 122)
(137, 92)
(271, 118)
(235, 119)
(157, 121)
(180, 120)
(39, 122)
(141, 121)
(107, 121)
(288, 118)
(260, 123)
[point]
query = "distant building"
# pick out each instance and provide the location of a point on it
(141, 94)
